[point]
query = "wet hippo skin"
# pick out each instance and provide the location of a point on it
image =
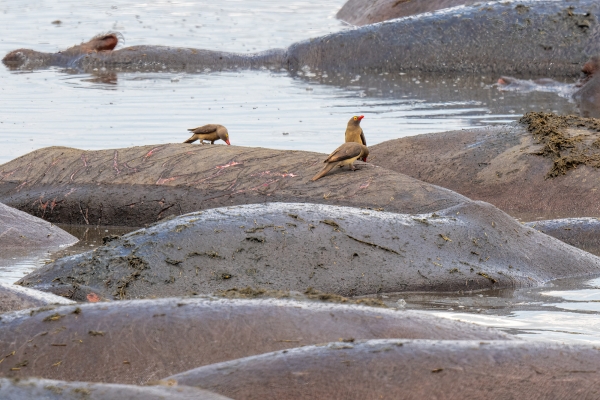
(363, 12)
(547, 38)
(141, 185)
(342, 250)
(46, 389)
(517, 170)
(409, 369)
(583, 233)
(13, 297)
(19, 230)
(139, 341)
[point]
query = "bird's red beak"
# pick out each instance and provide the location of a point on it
(228, 144)
(364, 159)
(361, 117)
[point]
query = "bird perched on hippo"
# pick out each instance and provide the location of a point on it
(346, 154)
(355, 147)
(210, 133)
(354, 132)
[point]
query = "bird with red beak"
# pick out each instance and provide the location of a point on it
(354, 132)
(210, 133)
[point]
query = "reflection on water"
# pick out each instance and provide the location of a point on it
(566, 310)
(259, 108)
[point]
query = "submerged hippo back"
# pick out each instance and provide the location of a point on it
(537, 38)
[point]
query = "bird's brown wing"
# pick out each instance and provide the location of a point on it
(362, 137)
(204, 129)
(344, 152)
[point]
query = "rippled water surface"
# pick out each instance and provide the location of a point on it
(565, 310)
(260, 108)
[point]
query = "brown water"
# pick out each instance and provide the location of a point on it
(62, 108)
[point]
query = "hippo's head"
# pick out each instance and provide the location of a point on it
(26, 58)
(588, 71)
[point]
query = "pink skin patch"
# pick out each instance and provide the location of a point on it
(92, 298)
(162, 181)
(285, 175)
(151, 152)
(231, 164)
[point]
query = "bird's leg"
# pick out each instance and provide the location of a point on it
(352, 167)
(202, 142)
(212, 142)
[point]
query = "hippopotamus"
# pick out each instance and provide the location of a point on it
(363, 12)
(587, 94)
(583, 233)
(342, 250)
(47, 389)
(141, 341)
(543, 167)
(14, 297)
(408, 369)
(20, 231)
(546, 37)
(141, 185)
(585, 91)
(31, 59)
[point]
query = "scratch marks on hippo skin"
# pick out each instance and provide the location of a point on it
(85, 165)
(7, 174)
(162, 181)
(116, 162)
(71, 191)
(85, 216)
(283, 175)
(153, 151)
(21, 186)
(229, 164)
(258, 187)
(366, 184)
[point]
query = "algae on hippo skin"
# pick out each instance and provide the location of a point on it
(566, 149)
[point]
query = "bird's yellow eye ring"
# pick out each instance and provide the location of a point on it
(355, 118)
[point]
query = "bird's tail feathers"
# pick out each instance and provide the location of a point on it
(324, 171)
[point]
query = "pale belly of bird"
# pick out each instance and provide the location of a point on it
(348, 161)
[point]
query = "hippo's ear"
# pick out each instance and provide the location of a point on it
(104, 42)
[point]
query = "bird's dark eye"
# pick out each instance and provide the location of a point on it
(355, 118)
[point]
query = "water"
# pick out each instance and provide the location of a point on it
(260, 108)
(565, 310)
(16, 263)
